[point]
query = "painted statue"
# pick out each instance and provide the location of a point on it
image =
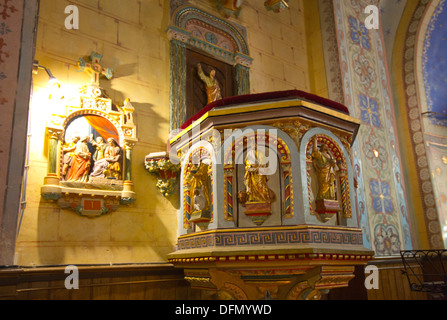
(100, 146)
(325, 166)
(212, 85)
(198, 181)
(255, 183)
(69, 152)
(80, 167)
(109, 166)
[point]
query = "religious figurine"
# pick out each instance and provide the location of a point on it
(255, 183)
(324, 164)
(109, 166)
(81, 162)
(100, 146)
(212, 85)
(69, 152)
(257, 197)
(197, 179)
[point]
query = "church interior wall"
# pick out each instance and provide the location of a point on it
(133, 41)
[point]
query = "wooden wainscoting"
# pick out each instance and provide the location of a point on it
(393, 284)
(117, 282)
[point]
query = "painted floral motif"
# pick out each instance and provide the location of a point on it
(375, 153)
(370, 111)
(359, 33)
(4, 29)
(386, 240)
(381, 196)
(364, 70)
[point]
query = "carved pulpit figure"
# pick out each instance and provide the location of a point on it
(325, 167)
(255, 183)
(324, 164)
(81, 162)
(197, 179)
(213, 90)
(198, 182)
(257, 197)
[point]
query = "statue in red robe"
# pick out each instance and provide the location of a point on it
(81, 162)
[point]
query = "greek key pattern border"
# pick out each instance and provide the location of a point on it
(275, 237)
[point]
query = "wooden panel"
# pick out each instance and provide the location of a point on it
(393, 285)
(98, 283)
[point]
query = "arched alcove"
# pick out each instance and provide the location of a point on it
(199, 37)
(419, 72)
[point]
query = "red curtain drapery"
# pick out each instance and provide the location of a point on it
(104, 127)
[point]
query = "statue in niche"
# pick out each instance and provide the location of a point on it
(80, 167)
(255, 183)
(198, 181)
(69, 153)
(325, 166)
(213, 90)
(100, 145)
(257, 197)
(109, 166)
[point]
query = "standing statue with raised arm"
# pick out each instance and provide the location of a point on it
(212, 85)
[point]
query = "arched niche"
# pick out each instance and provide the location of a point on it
(282, 175)
(344, 179)
(197, 36)
(198, 173)
(100, 130)
(422, 132)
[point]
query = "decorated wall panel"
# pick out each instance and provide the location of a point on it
(382, 207)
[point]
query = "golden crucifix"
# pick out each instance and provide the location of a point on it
(95, 69)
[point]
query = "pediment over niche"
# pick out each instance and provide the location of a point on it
(233, 8)
(90, 142)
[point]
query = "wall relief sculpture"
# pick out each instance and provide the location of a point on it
(90, 142)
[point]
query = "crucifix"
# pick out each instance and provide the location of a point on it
(95, 69)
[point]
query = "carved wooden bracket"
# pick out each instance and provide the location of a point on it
(166, 171)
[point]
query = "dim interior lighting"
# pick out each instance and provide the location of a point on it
(36, 66)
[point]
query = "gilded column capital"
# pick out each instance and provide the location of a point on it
(55, 134)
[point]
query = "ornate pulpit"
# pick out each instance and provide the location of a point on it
(267, 202)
